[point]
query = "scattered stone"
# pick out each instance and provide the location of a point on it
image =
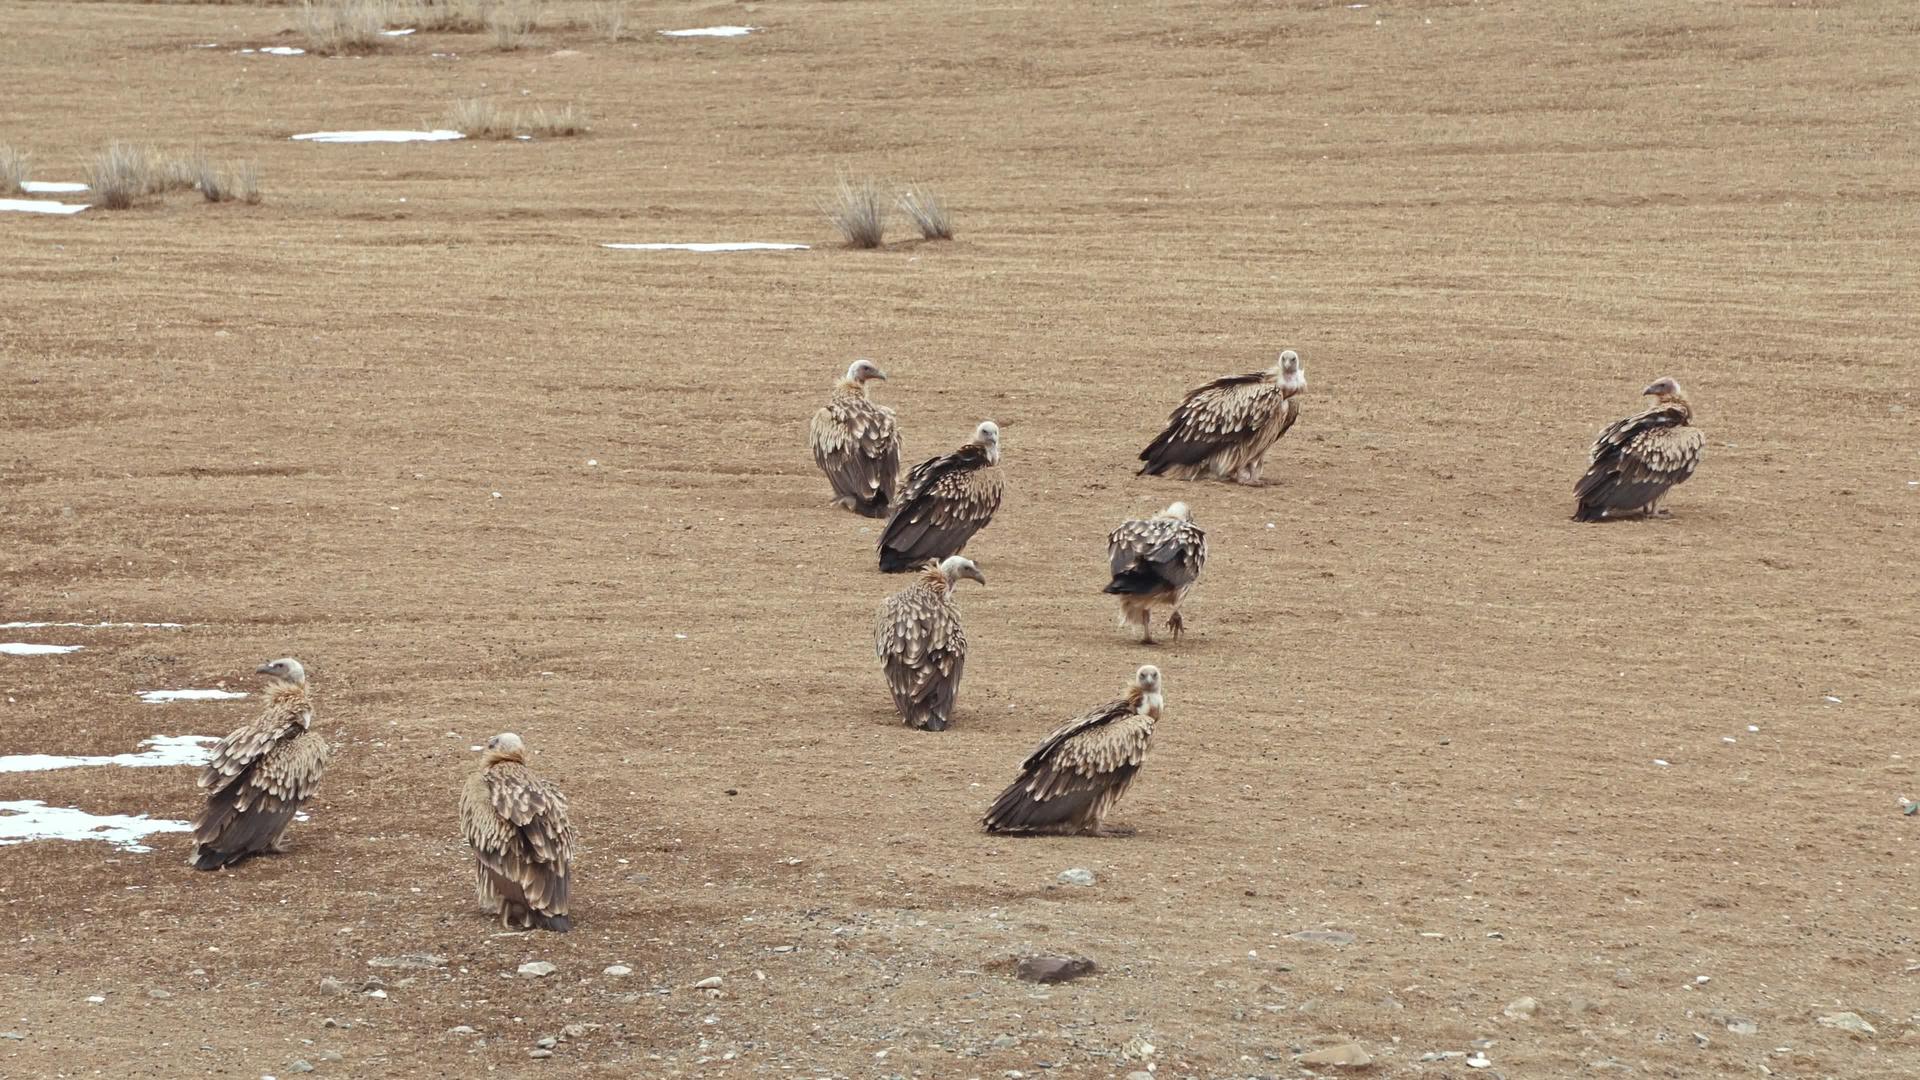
(1139, 1074)
(1580, 1005)
(14, 1035)
(546, 1042)
(1478, 1061)
(536, 969)
(1481, 1044)
(1609, 1065)
(711, 982)
(539, 1054)
(1701, 1040)
(1740, 1025)
(158, 994)
(1847, 1021)
(329, 1055)
(1324, 937)
(1349, 1054)
(330, 1022)
(1054, 969)
(618, 971)
(461, 1030)
(1137, 1049)
(1521, 1009)
(332, 985)
(1442, 1055)
(1005, 1042)
(300, 1065)
(1076, 876)
(575, 1031)
(1623, 977)
(376, 993)
(409, 960)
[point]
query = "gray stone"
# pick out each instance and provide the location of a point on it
(1521, 1009)
(1140, 1074)
(536, 969)
(711, 982)
(1005, 1042)
(461, 1030)
(1623, 977)
(538, 1055)
(1847, 1021)
(1076, 876)
(618, 971)
(332, 985)
(300, 1065)
(546, 1042)
(409, 960)
(1054, 969)
(1350, 1055)
(1324, 937)
(575, 1031)
(329, 1055)
(1478, 1061)
(1740, 1025)
(158, 994)
(14, 1035)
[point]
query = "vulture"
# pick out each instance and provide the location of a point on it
(1225, 428)
(857, 444)
(260, 775)
(521, 838)
(1074, 777)
(947, 499)
(1635, 461)
(919, 641)
(1155, 562)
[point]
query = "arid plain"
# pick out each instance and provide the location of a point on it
(1417, 704)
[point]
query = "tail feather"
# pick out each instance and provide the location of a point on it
(558, 924)
(1134, 579)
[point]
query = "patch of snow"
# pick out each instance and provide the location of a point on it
(42, 206)
(157, 697)
(278, 50)
(51, 187)
(437, 135)
(397, 33)
(711, 31)
(21, 648)
(94, 625)
(25, 820)
(741, 246)
(164, 750)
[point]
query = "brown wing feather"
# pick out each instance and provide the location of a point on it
(856, 443)
(519, 830)
(1636, 460)
(1076, 772)
(1144, 556)
(919, 639)
(946, 501)
(1214, 417)
(256, 797)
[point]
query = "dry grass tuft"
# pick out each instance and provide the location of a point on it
(927, 211)
(457, 15)
(343, 26)
(127, 174)
(477, 118)
(238, 182)
(859, 210)
(510, 22)
(13, 169)
(551, 123)
(121, 175)
(608, 20)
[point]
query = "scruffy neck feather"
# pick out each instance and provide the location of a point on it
(936, 579)
(851, 386)
(496, 755)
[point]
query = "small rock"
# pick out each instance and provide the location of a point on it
(618, 971)
(1740, 1025)
(1140, 1074)
(1521, 1009)
(575, 1031)
(1054, 969)
(1580, 1005)
(1137, 1049)
(1351, 1055)
(711, 982)
(332, 985)
(1623, 977)
(539, 1053)
(1701, 1040)
(1847, 1021)
(1442, 1055)
(1324, 937)
(376, 993)
(461, 1030)
(329, 1055)
(14, 1035)
(300, 1065)
(158, 994)
(536, 969)
(330, 1022)
(1004, 1042)
(1478, 1061)
(409, 960)
(546, 1042)
(1076, 876)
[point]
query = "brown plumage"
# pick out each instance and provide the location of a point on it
(1155, 561)
(260, 775)
(947, 499)
(1073, 778)
(921, 645)
(1225, 428)
(1636, 461)
(857, 444)
(521, 838)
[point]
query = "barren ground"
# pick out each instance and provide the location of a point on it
(1418, 704)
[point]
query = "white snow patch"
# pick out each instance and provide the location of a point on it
(157, 697)
(94, 625)
(397, 33)
(207, 45)
(51, 187)
(42, 206)
(278, 50)
(30, 819)
(711, 31)
(437, 135)
(163, 750)
(21, 648)
(741, 246)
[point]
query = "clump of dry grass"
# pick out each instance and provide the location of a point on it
(121, 175)
(858, 208)
(551, 123)
(126, 174)
(456, 15)
(477, 118)
(343, 26)
(237, 182)
(13, 169)
(510, 22)
(927, 211)
(608, 20)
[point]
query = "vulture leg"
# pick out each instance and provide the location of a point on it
(1146, 627)
(1176, 624)
(1098, 829)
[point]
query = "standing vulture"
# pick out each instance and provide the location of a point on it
(522, 842)
(1225, 428)
(857, 444)
(1155, 562)
(946, 501)
(1636, 460)
(919, 640)
(1074, 777)
(260, 775)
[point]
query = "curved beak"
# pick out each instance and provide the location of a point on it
(881, 375)
(1651, 389)
(263, 669)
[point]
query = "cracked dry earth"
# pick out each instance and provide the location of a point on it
(1417, 709)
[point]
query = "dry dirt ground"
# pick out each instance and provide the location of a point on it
(1418, 704)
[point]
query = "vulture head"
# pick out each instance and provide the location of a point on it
(1293, 378)
(959, 566)
(862, 370)
(1147, 679)
(284, 670)
(1178, 512)
(987, 436)
(506, 746)
(1664, 389)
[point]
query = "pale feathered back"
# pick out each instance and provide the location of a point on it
(522, 839)
(260, 774)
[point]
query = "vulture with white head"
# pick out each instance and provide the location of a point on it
(857, 444)
(1225, 428)
(260, 775)
(1155, 561)
(946, 500)
(1073, 778)
(1636, 461)
(921, 645)
(521, 838)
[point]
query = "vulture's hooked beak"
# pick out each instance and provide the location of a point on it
(878, 374)
(263, 669)
(977, 575)
(1652, 389)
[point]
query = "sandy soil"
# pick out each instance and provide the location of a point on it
(1418, 705)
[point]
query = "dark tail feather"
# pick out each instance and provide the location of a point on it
(895, 562)
(1586, 512)
(205, 858)
(875, 507)
(1133, 580)
(558, 924)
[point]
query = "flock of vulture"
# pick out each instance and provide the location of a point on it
(517, 823)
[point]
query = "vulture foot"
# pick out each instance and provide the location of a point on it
(1176, 624)
(1111, 831)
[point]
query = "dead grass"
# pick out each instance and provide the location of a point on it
(510, 22)
(121, 175)
(541, 122)
(127, 174)
(927, 211)
(236, 182)
(608, 20)
(13, 169)
(478, 118)
(462, 16)
(858, 208)
(344, 26)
